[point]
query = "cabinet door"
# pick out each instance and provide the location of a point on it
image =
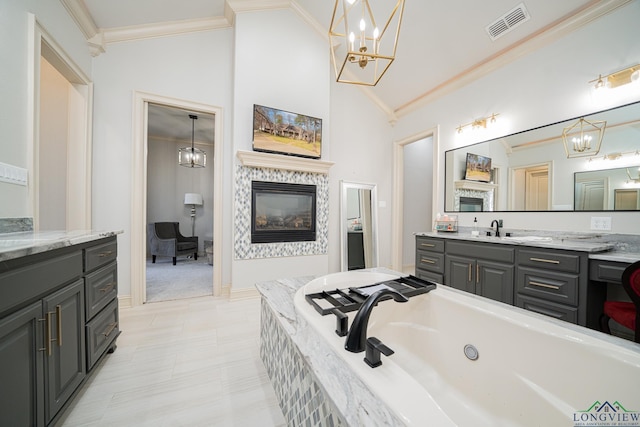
(66, 365)
(460, 273)
(495, 280)
(22, 368)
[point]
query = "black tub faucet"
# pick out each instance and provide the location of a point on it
(357, 336)
(498, 223)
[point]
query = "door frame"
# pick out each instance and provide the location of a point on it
(397, 212)
(139, 189)
(79, 137)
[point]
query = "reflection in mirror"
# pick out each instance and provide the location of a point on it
(609, 189)
(358, 226)
(530, 170)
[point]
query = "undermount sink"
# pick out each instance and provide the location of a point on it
(528, 238)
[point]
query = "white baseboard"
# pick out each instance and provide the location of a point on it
(244, 293)
(124, 301)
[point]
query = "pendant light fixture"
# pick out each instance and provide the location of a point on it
(192, 157)
(583, 138)
(363, 37)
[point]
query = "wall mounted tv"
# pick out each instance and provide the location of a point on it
(478, 168)
(283, 132)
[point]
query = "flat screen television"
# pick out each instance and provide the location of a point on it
(282, 132)
(478, 168)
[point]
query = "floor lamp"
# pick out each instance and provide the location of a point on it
(193, 199)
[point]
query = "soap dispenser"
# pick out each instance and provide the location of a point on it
(475, 231)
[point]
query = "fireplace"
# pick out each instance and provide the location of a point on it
(471, 204)
(282, 212)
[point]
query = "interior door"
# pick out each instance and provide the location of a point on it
(537, 189)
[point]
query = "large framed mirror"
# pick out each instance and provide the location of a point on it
(533, 171)
(358, 226)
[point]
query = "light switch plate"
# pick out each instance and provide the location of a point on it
(601, 223)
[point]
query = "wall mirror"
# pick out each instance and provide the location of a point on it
(358, 226)
(530, 170)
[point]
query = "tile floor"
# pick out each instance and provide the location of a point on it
(191, 362)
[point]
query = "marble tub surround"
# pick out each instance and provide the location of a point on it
(323, 382)
(15, 225)
(16, 245)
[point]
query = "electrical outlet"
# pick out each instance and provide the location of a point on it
(601, 223)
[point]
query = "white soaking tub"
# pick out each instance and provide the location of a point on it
(530, 371)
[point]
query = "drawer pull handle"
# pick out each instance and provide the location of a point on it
(108, 287)
(548, 261)
(544, 285)
(110, 329)
(428, 261)
(47, 333)
(59, 323)
(469, 272)
(105, 253)
(477, 273)
(428, 245)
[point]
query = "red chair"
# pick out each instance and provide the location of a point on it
(625, 313)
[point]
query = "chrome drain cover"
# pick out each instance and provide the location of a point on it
(471, 352)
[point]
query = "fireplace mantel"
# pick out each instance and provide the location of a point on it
(474, 185)
(275, 161)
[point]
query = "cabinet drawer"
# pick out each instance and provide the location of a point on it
(552, 286)
(430, 261)
(429, 276)
(99, 255)
(101, 287)
(491, 252)
(549, 260)
(606, 271)
(101, 332)
(548, 308)
(429, 244)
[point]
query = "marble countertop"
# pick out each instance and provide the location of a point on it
(16, 245)
(357, 404)
(610, 247)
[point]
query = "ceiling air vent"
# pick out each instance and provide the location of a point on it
(508, 22)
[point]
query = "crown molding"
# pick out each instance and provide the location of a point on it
(552, 32)
(149, 31)
(80, 14)
(240, 6)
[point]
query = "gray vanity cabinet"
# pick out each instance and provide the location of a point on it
(430, 259)
(44, 323)
(481, 268)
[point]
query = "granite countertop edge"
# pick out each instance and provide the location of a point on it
(355, 401)
(16, 245)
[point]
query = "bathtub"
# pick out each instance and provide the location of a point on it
(530, 370)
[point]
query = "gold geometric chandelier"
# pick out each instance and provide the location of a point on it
(583, 138)
(363, 47)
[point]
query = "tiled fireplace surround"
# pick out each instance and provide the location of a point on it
(248, 172)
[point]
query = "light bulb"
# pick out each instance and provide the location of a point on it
(350, 1)
(363, 25)
(376, 33)
(635, 76)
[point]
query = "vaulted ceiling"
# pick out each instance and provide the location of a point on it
(443, 45)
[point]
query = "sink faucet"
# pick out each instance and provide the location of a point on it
(357, 336)
(498, 223)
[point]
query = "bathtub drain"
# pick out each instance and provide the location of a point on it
(471, 352)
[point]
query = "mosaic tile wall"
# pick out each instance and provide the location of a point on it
(486, 196)
(242, 245)
(301, 399)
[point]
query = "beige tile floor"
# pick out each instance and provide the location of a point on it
(191, 362)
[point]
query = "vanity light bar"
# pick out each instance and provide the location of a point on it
(619, 78)
(479, 123)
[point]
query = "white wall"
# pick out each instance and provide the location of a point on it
(544, 87)
(195, 67)
(14, 49)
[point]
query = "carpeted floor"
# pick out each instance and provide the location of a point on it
(188, 279)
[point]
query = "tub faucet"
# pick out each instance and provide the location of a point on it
(498, 223)
(357, 336)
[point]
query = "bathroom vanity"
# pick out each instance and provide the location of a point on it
(58, 318)
(559, 277)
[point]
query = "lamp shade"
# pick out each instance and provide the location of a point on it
(192, 199)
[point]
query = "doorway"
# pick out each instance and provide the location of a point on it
(60, 136)
(416, 180)
(170, 190)
(530, 188)
(142, 101)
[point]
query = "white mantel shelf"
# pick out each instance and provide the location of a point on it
(474, 185)
(257, 159)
